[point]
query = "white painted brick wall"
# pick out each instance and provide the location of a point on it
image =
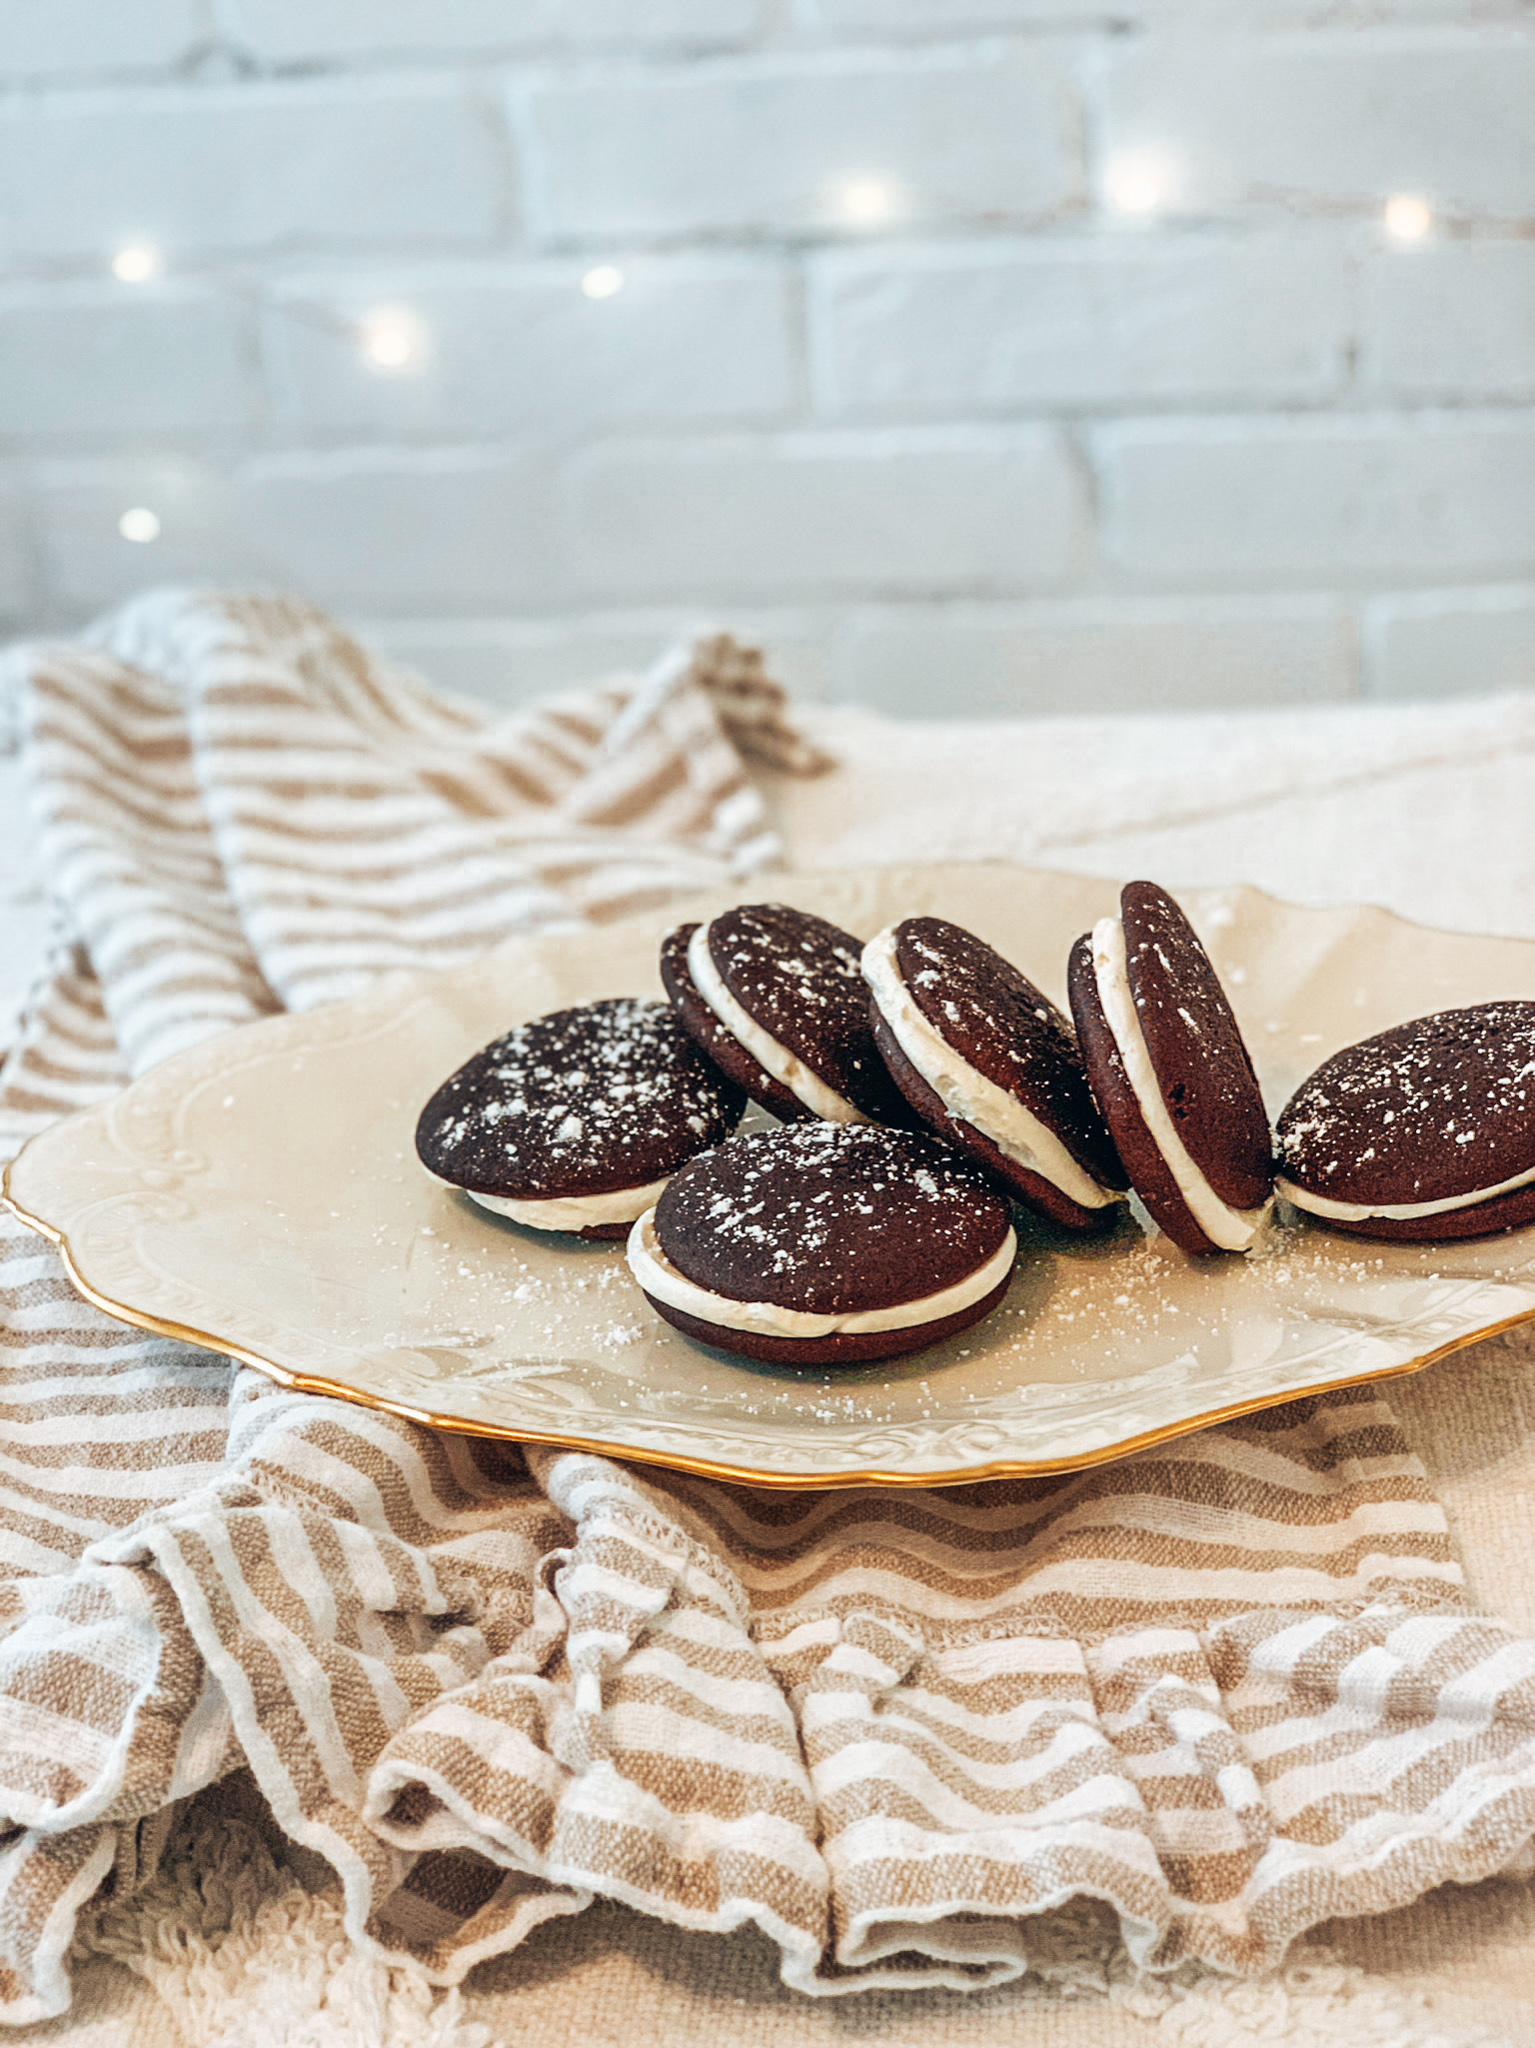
(979, 354)
(730, 148)
(1452, 322)
(1082, 321)
(41, 37)
(1435, 643)
(288, 31)
(82, 360)
(247, 168)
(1317, 119)
(377, 530)
(507, 659)
(521, 349)
(1181, 655)
(877, 20)
(827, 514)
(18, 595)
(1265, 500)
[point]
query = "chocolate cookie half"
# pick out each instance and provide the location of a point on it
(576, 1121)
(825, 1244)
(990, 1064)
(1172, 1074)
(1424, 1131)
(774, 997)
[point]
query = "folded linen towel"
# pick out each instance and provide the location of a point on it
(1231, 1687)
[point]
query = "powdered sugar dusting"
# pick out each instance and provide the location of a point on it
(798, 977)
(607, 1095)
(1433, 1108)
(830, 1217)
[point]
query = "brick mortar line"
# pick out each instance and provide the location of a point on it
(217, 59)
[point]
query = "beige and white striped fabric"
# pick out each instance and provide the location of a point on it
(1231, 1687)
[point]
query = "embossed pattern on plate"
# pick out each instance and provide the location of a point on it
(261, 1194)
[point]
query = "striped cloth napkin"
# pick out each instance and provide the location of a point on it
(1229, 1688)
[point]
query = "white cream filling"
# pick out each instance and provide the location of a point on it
(966, 1092)
(574, 1212)
(774, 1058)
(1394, 1212)
(659, 1278)
(1234, 1230)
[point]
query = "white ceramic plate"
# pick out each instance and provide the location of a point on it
(260, 1194)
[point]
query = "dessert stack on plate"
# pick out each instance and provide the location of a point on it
(923, 1085)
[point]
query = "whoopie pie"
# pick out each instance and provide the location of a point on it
(988, 1062)
(774, 997)
(1172, 1075)
(1424, 1131)
(576, 1121)
(825, 1244)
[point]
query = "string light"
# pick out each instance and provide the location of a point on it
(1137, 185)
(865, 201)
(603, 281)
(139, 524)
(392, 340)
(137, 263)
(1406, 218)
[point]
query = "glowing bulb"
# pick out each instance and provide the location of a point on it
(603, 282)
(863, 201)
(1406, 218)
(137, 263)
(139, 524)
(392, 341)
(1137, 184)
